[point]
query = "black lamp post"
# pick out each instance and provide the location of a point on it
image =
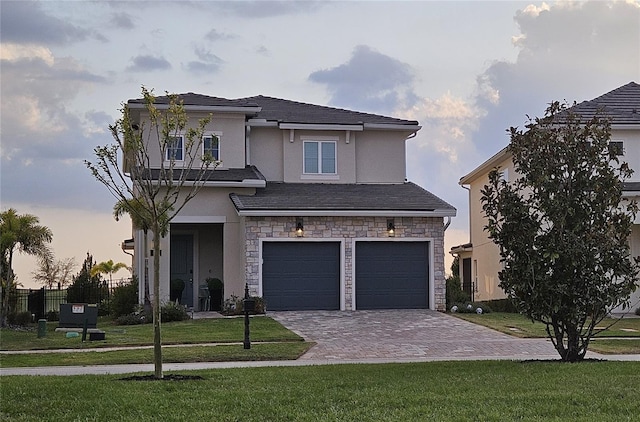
(248, 305)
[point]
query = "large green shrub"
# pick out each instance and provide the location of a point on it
(233, 306)
(124, 298)
(455, 294)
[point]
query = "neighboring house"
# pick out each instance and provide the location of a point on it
(480, 259)
(310, 208)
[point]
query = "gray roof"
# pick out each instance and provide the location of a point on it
(278, 196)
(285, 111)
(218, 175)
(631, 186)
(622, 105)
(276, 109)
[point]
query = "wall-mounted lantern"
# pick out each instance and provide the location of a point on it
(299, 227)
(391, 227)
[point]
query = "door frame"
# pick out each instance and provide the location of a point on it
(430, 275)
(341, 241)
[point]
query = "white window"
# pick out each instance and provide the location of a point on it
(211, 146)
(175, 148)
(319, 157)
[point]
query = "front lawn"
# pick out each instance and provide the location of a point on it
(214, 330)
(621, 338)
(483, 391)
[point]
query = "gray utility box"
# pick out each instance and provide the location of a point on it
(73, 315)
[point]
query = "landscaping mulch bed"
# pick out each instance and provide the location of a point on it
(167, 377)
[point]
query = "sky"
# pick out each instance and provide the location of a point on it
(466, 70)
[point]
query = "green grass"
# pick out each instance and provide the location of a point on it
(438, 391)
(520, 326)
(218, 353)
(216, 330)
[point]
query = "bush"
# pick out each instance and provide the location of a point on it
(233, 306)
(455, 294)
(134, 318)
(173, 311)
(21, 319)
(499, 305)
(638, 311)
(124, 299)
(53, 316)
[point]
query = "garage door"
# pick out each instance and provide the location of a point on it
(301, 275)
(392, 275)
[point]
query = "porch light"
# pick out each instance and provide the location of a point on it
(299, 227)
(391, 227)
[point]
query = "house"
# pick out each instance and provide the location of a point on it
(310, 209)
(480, 258)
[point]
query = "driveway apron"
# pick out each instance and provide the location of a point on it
(405, 335)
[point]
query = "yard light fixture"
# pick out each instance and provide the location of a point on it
(391, 227)
(299, 227)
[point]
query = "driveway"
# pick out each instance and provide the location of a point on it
(405, 335)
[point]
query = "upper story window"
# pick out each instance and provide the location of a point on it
(617, 147)
(211, 146)
(175, 148)
(319, 157)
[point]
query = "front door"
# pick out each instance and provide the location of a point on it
(182, 266)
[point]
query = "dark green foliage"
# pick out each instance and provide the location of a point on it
(498, 305)
(176, 287)
(216, 293)
(21, 319)
(455, 294)
(86, 288)
(638, 311)
(124, 298)
(173, 312)
(562, 226)
(169, 312)
(53, 316)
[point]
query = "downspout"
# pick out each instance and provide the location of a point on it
(247, 147)
(446, 225)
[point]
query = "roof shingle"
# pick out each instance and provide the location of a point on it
(278, 196)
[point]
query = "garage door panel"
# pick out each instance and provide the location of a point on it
(392, 275)
(301, 275)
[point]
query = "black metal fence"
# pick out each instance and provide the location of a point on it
(40, 302)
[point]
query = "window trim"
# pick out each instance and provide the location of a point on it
(319, 141)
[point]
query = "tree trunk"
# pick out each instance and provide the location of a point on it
(157, 342)
(7, 291)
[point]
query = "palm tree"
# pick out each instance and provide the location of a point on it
(20, 233)
(107, 267)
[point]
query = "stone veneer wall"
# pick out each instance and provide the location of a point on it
(346, 228)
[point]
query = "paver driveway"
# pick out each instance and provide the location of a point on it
(413, 334)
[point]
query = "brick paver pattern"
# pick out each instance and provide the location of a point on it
(411, 334)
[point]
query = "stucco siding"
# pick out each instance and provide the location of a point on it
(380, 157)
(266, 152)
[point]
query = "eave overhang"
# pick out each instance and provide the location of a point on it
(345, 213)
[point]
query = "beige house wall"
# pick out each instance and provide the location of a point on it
(266, 152)
(381, 157)
(485, 259)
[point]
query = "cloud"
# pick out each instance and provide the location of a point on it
(369, 81)
(43, 141)
(208, 63)
(214, 35)
(146, 63)
(25, 22)
(261, 9)
(565, 50)
(122, 20)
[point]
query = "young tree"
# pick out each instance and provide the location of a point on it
(51, 271)
(108, 267)
(563, 226)
(152, 189)
(20, 233)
